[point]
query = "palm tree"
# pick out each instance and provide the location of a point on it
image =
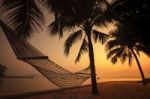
(138, 26)
(82, 19)
(124, 45)
(132, 34)
(24, 16)
(134, 14)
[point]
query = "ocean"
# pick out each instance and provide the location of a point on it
(39, 83)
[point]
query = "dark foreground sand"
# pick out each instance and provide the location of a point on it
(108, 90)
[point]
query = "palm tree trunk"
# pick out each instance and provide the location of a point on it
(92, 64)
(140, 68)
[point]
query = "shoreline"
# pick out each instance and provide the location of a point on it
(109, 87)
(17, 77)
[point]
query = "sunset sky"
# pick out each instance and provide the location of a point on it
(54, 49)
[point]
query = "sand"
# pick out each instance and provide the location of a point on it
(108, 90)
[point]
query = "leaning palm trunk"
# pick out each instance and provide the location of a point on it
(140, 68)
(92, 63)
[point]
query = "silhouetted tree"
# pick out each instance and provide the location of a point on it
(134, 14)
(123, 45)
(82, 19)
(133, 30)
(24, 16)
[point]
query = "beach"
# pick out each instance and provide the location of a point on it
(107, 90)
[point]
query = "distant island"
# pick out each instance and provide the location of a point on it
(3, 69)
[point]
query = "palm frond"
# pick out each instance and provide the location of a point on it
(117, 3)
(137, 50)
(119, 52)
(115, 52)
(61, 24)
(99, 36)
(24, 15)
(112, 44)
(54, 5)
(143, 48)
(48, 3)
(83, 49)
(71, 40)
(130, 58)
(114, 60)
(123, 57)
(103, 18)
(69, 23)
(58, 7)
(54, 28)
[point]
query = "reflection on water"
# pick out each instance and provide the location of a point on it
(15, 85)
(19, 85)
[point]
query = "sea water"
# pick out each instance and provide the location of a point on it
(22, 85)
(39, 83)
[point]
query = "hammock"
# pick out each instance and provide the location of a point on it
(56, 74)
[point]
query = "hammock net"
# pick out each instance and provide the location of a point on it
(56, 74)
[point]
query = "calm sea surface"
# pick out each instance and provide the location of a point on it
(38, 83)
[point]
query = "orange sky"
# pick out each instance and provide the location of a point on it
(53, 47)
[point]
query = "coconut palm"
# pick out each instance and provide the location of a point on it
(138, 26)
(24, 16)
(82, 19)
(134, 18)
(132, 34)
(124, 45)
(131, 7)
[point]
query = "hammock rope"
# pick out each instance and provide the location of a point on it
(53, 72)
